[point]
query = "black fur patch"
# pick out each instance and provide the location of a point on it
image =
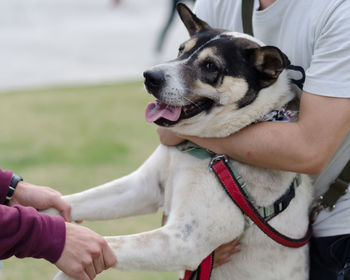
(233, 56)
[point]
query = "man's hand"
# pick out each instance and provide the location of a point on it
(223, 253)
(40, 198)
(169, 138)
(85, 253)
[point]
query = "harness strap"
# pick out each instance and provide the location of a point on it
(335, 191)
(203, 272)
(233, 189)
(267, 212)
(247, 14)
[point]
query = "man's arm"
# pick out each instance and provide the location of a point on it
(305, 146)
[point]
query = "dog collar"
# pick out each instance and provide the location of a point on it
(281, 115)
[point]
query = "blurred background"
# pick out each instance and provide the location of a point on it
(61, 42)
(72, 101)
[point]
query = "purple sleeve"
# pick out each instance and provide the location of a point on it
(5, 179)
(24, 232)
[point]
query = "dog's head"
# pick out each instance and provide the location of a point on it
(220, 82)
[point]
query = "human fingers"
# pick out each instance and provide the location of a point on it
(54, 199)
(81, 246)
(63, 207)
(81, 276)
(223, 253)
(221, 262)
(41, 198)
(108, 256)
(168, 137)
(227, 247)
(99, 264)
(73, 270)
(90, 271)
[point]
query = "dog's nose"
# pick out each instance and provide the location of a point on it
(154, 79)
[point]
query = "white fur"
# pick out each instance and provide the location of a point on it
(201, 216)
(245, 36)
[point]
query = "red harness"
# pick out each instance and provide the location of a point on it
(222, 170)
(203, 272)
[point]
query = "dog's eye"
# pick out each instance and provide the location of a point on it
(210, 66)
(181, 49)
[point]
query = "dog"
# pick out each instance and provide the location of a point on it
(220, 82)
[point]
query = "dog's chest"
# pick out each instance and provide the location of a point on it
(190, 177)
(186, 173)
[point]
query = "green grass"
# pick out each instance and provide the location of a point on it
(72, 139)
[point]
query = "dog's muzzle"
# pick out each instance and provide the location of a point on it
(154, 81)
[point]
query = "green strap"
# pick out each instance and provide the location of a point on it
(247, 16)
(194, 150)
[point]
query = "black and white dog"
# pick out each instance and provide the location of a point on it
(220, 83)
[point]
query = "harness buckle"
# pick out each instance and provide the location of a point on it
(215, 159)
(248, 222)
(318, 207)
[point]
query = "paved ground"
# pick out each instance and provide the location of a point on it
(62, 42)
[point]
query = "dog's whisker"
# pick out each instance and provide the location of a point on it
(194, 103)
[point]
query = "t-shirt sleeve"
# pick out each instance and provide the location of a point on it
(5, 179)
(24, 232)
(329, 72)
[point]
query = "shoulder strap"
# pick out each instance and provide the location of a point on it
(247, 16)
(335, 191)
(337, 188)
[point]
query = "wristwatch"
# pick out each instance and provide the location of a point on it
(13, 184)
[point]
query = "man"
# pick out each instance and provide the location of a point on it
(315, 36)
(76, 250)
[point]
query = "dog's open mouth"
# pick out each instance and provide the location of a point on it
(167, 115)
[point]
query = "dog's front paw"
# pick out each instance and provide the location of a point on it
(62, 276)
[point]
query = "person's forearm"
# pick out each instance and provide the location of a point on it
(269, 145)
(305, 146)
(27, 233)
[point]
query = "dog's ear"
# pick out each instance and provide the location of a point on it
(269, 62)
(190, 20)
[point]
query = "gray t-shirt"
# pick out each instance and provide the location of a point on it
(315, 35)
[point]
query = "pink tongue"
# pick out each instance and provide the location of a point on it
(158, 109)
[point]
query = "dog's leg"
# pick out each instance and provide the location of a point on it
(192, 231)
(136, 193)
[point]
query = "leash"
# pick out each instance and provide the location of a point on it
(234, 186)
